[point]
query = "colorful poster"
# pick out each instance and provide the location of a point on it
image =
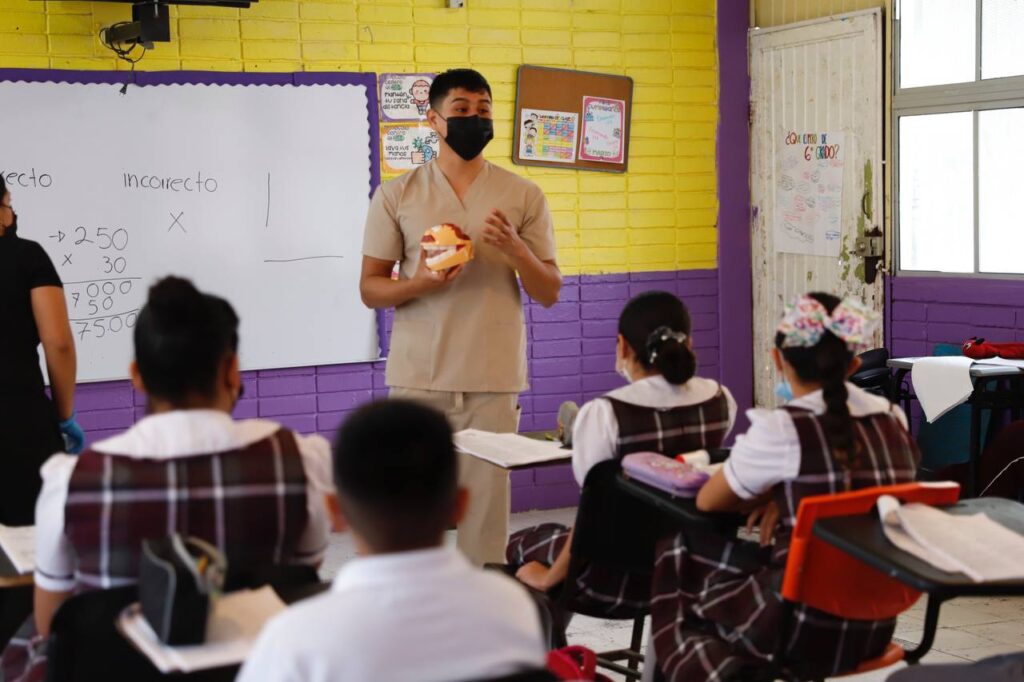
(405, 146)
(604, 125)
(548, 135)
(403, 96)
(809, 193)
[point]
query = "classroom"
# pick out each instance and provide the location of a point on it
(511, 340)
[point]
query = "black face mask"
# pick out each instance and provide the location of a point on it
(468, 135)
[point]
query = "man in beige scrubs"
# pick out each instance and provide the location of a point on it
(459, 338)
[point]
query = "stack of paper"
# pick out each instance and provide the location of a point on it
(235, 621)
(942, 383)
(19, 544)
(975, 545)
(509, 450)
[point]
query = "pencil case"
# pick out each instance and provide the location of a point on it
(664, 473)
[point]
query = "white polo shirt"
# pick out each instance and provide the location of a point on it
(769, 452)
(422, 616)
(595, 433)
(172, 435)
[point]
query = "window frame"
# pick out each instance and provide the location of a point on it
(972, 96)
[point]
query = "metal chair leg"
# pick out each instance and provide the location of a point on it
(931, 624)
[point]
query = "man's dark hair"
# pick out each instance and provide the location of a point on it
(396, 474)
(467, 79)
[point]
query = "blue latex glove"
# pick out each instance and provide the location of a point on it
(74, 436)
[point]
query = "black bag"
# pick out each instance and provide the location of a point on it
(177, 577)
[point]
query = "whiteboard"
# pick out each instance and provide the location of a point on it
(258, 193)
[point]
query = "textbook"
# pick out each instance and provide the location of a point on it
(509, 450)
(974, 545)
(19, 544)
(235, 621)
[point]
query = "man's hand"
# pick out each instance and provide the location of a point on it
(500, 234)
(536, 575)
(427, 280)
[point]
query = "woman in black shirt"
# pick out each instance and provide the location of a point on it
(32, 310)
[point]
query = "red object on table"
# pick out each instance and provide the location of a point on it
(980, 349)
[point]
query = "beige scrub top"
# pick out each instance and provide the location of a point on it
(469, 336)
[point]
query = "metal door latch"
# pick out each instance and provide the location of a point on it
(870, 247)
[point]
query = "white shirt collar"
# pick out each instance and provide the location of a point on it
(183, 433)
(395, 568)
(656, 391)
(860, 402)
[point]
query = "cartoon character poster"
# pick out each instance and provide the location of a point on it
(548, 135)
(405, 96)
(407, 146)
(604, 122)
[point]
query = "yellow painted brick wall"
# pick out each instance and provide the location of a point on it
(659, 216)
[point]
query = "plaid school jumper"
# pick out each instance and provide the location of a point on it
(670, 431)
(250, 503)
(716, 607)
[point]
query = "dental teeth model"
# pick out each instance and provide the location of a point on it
(446, 246)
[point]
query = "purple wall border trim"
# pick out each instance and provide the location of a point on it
(735, 298)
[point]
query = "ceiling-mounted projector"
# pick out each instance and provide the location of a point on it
(151, 20)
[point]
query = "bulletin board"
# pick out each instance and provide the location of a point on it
(572, 119)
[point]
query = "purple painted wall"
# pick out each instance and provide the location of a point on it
(571, 351)
(924, 311)
(733, 163)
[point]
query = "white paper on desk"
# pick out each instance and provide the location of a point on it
(1002, 362)
(974, 545)
(509, 450)
(19, 544)
(942, 383)
(234, 624)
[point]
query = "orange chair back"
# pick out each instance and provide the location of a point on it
(830, 580)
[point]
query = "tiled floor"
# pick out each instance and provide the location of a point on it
(970, 629)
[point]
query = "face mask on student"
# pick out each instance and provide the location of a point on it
(468, 135)
(620, 369)
(784, 390)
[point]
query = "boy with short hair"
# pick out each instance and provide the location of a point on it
(407, 608)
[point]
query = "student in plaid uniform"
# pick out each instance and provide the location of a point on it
(252, 488)
(716, 610)
(664, 408)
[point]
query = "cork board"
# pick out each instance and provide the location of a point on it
(572, 119)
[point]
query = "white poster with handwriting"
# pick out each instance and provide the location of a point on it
(809, 193)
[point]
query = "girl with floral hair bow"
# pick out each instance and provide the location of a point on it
(716, 609)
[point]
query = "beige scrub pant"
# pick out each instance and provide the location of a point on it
(483, 532)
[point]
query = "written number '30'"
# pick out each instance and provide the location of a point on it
(116, 265)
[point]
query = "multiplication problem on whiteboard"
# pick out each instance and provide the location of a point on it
(105, 300)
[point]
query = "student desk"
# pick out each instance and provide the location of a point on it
(681, 510)
(861, 536)
(987, 395)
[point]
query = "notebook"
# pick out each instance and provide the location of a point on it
(974, 545)
(235, 621)
(19, 544)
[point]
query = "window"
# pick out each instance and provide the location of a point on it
(958, 109)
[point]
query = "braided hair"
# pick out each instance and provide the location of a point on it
(827, 363)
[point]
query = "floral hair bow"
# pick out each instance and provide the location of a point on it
(807, 320)
(660, 336)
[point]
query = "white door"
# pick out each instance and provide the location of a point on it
(816, 171)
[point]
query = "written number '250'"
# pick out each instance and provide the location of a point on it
(101, 327)
(105, 239)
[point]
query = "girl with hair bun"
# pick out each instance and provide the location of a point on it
(251, 487)
(716, 609)
(663, 408)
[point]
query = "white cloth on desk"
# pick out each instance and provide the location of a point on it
(769, 452)
(596, 431)
(941, 383)
(422, 616)
(173, 435)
